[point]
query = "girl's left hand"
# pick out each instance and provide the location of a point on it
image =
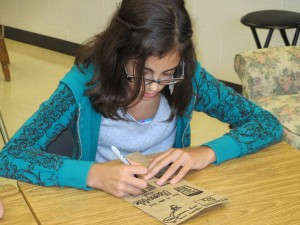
(184, 159)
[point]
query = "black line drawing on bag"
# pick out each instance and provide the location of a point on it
(150, 197)
(210, 200)
(188, 191)
(145, 190)
(172, 218)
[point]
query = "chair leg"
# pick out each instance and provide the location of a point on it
(296, 35)
(4, 59)
(284, 37)
(3, 130)
(268, 38)
(254, 33)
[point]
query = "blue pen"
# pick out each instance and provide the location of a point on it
(119, 155)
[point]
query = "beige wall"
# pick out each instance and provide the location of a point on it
(219, 35)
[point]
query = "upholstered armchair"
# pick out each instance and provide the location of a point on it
(271, 78)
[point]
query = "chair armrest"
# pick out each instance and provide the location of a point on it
(270, 71)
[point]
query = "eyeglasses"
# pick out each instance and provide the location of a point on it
(172, 80)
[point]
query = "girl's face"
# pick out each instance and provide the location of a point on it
(157, 69)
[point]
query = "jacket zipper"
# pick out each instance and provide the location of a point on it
(79, 137)
(188, 124)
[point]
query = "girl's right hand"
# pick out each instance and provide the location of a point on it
(1, 209)
(117, 178)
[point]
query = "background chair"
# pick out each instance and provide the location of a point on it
(4, 59)
(3, 130)
(271, 78)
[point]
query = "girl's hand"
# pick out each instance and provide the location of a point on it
(1, 209)
(183, 160)
(117, 178)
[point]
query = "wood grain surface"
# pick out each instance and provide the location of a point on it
(16, 210)
(263, 189)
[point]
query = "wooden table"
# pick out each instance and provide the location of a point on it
(16, 210)
(263, 189)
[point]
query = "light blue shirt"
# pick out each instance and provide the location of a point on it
(158, 135)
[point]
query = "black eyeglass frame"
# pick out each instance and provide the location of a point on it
(147, 81)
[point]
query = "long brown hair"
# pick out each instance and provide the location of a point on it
(138, 29)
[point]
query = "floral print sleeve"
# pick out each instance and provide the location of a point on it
(253, 128)
(24, 157)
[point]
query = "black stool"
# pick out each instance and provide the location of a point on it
(273, 19)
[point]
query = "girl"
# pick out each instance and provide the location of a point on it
(135, 86)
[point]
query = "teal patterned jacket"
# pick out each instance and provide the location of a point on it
(25, 156)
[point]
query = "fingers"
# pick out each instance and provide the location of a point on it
(159, 163)
(117, 178)
(134, 163)
(178, 170)
(135, 169)
(131, 183)
(131, 186)
(121, 179)
(154, 161)
(183, 171)
(181, 160)
(136, 182)
(1, 209)
(132, 191)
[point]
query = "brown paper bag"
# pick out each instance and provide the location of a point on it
(172, 203)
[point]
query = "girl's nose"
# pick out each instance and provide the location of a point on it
(153, 86)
